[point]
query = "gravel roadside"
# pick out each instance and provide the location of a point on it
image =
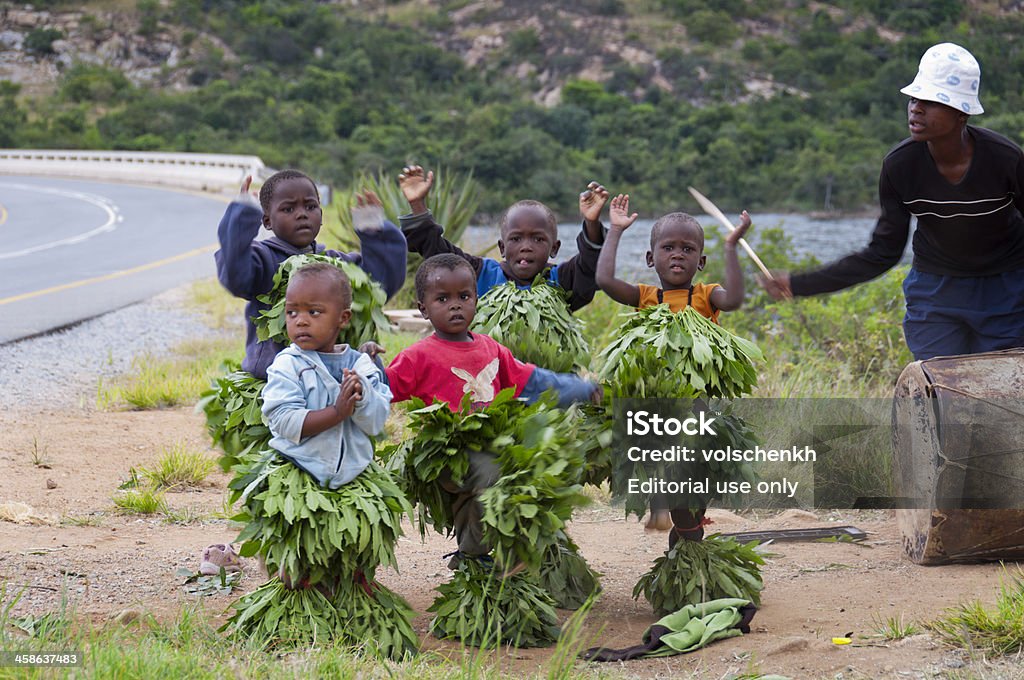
(83, 550)
(62, 369)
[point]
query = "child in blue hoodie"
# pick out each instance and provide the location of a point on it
(323, 402)
(289, 206)
(528, 241)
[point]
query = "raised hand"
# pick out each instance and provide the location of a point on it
(415, 184)
(367, 199)
(244, 191)
(368, 212)
(592, 201)
(734, 236)
(619, 212)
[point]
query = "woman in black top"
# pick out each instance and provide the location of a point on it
(965, 186)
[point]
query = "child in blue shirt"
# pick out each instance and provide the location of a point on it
(289, 206)
(323, 402)
(529, 239)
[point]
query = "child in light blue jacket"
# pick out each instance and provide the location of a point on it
(323, 402)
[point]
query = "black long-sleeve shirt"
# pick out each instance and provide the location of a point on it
(972, 228)
(577, 275)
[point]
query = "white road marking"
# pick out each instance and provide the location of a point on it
(99, 201)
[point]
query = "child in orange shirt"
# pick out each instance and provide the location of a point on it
(676, 254)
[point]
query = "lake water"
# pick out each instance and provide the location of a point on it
(825, 239)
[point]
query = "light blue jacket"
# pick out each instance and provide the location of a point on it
(298, 382)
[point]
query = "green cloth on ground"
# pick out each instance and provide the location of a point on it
(691, 628)
(698, 625)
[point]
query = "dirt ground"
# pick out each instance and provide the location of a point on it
(110, 563)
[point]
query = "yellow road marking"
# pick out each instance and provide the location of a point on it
(3, 213)
(110, 276)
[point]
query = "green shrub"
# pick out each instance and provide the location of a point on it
(453, 200)
(40, 40)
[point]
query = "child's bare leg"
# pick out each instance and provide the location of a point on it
(664, 520)
(287, 580)
(659, 519)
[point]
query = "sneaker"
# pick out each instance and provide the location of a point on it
(219, 556)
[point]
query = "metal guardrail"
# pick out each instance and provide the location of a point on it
(197, 171)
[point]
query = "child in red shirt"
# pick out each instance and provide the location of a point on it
(453, 362)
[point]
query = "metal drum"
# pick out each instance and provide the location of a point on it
(958, 438)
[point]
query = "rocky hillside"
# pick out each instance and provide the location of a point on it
(37, 44)
(683, 49)
(782, 104)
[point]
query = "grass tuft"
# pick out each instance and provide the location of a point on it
(185, 516)
(180, 467)
(893, 628)
(571, 642)
(140, 501)
(599, 494)
(39, 454)
(997, 631)
(81, 520)
(162, 383)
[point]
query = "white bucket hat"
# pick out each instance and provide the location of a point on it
(950, 75)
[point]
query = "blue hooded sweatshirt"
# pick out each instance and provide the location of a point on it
(246, 267)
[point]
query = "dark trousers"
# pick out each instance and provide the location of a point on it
(483, 473)
(687, 525)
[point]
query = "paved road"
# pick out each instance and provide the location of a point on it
(71, 250)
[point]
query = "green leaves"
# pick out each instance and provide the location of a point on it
(483, 610)
(566, 575)
(699, 571)
(274, 615)
(594, 426)
(524, 514)
(659, 353)
(683, 355)
(316, 534)
(525, 511)
(233, 416)
(441, 442)
(368, 298)
(374, 617)
(539, 460)
(329, 542)
(535, 324)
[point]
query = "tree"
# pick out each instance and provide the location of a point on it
(12, 116)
